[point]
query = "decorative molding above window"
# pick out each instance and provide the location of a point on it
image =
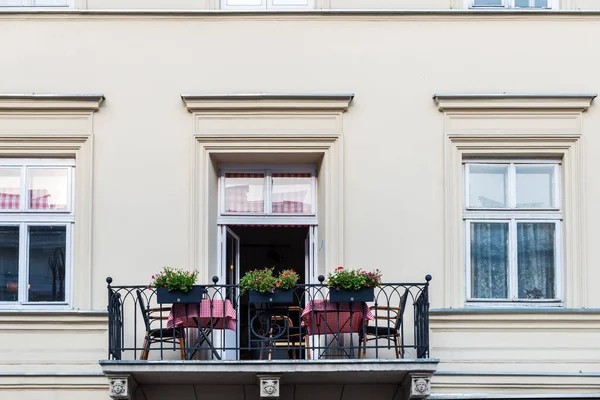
(50, 102)
(266, 102)
(517, 126)
(456, 102)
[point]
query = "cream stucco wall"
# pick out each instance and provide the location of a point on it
(392, 137)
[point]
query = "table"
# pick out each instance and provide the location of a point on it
(322, 317)
(206, 316)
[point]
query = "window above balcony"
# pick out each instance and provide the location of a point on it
(284, 192)
(26, 4)
(278, 5)
(512, 4)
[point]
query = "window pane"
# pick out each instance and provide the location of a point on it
(11, 3)
(50, 3)
(487, 186)
(489, 260)
(535, 186)
(531, 3)
(487, 3)
(9, 263)
(47, 249)
(48, 188)
(244, 2)
(290, 2)
(292, 193)
(10, 188)
(536, 255)
(245, 193)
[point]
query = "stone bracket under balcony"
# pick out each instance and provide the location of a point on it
(403, 379)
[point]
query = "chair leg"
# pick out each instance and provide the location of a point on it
(396, 346)
(307, 345)
(182, 348)
(360, 340)
(146, 351)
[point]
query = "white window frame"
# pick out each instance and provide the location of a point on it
(24, 218)
(268, 5)
(510, 4)
(29, 4)
(233, 218)
(513, 215)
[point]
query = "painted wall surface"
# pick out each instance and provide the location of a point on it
(393, 144)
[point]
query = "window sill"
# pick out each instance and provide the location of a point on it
(35, 307)
(509, 305)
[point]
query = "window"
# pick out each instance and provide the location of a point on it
(267, 4)
(34, 3)
(512, 220)
(36, 225)
(513, 3)
(268, 192)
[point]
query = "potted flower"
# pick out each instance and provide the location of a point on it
(352, 284)
(177, 286)
(266, 288)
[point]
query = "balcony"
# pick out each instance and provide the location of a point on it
(222, 337)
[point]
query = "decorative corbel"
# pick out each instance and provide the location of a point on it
(122, 387)
(417, 385)
(268, 386)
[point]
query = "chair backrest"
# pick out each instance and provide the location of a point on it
(144, 309)
(400, 315)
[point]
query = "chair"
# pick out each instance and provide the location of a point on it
(293, 338)
(156, 335)
(391, 330)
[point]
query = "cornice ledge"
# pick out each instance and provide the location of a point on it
(491, 102)
(267, 102)
(50, 102)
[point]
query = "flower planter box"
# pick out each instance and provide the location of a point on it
(365, 294)
(163, 295)
(279, 296)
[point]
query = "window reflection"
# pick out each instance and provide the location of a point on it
(9, 263)
(47, 248)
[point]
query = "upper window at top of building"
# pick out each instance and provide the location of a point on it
(35, 3)
(520, 4)
(267, 4)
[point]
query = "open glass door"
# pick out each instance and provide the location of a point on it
(231, 262)
(309, 256)
(230, 270)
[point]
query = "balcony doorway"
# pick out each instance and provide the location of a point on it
(248, 247)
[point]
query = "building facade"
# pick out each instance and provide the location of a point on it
(450, 138)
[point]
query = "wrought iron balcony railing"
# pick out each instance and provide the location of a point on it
(222, 324)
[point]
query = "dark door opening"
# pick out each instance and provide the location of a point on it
(277, 247)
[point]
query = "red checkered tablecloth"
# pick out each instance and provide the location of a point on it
(217, 314)
(39, 199)
(325, 317)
